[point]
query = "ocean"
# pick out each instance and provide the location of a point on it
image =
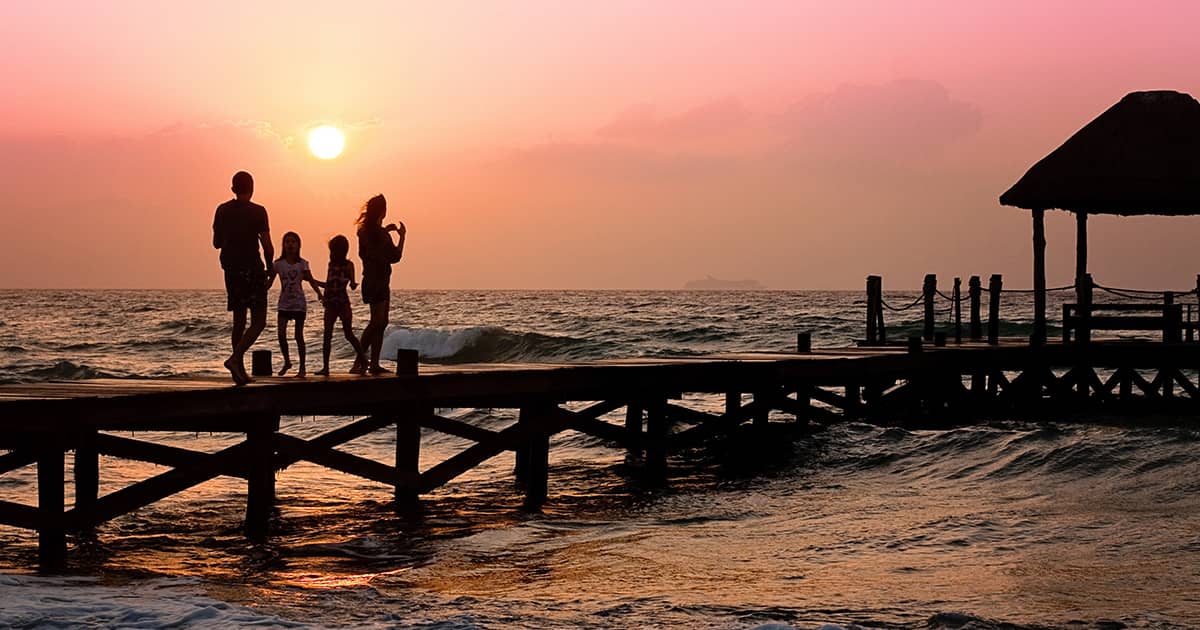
(1006, 524)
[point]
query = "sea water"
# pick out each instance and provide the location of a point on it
(1034, 524)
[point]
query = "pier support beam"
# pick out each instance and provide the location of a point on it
(52, 535)
(260, 477)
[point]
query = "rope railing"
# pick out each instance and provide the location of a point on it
(951, 307)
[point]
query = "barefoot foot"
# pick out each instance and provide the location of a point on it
(322, 372)
(287, 365)
(238, 372)
(301, 373)
(376, 370)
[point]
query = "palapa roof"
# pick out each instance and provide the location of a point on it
(1142, 156)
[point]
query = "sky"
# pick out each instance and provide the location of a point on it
(563, 145)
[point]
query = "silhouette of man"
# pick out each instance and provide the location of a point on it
(238, 228)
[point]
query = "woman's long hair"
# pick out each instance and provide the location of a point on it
(372, 212)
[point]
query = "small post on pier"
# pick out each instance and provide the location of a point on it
(87, 471)
(633, 426)
(260, 363)
(260, 477)
(929, 291)
(408, 457)
(974, 290)
(995, 285)
(803, 343)
(52, 535)
(656, 440)
(407, 362)
(958, 310)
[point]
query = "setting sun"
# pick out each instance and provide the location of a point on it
(326, 142)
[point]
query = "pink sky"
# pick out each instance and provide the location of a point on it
(576, 144)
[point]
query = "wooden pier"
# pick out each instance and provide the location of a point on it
(635, 404)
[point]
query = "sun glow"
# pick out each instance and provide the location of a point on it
(326, 142)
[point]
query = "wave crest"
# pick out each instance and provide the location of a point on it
(488, 344)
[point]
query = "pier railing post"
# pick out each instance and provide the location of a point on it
(974, 290)
(873, 305)
(995, 286)
(1172, 319)
(929, 291)
(958, 310)
(1083, 332)
(260, 477)
(52, 534)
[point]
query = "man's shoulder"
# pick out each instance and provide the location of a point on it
(237, 204)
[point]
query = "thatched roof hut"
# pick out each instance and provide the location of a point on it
(1142, 156)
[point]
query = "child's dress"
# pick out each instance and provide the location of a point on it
(337, 301)
(292, 303)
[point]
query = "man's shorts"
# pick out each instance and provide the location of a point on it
(375, 290)
(245, 289)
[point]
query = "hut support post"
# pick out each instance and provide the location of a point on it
(52, 535)
(929, 291)
(1039, 277)
(995, 286)
(974, 290)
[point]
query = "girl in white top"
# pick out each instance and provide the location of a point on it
(292, 271)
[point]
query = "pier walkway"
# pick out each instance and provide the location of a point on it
(637, 404)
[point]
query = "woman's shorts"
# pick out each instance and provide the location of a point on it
(374, 290)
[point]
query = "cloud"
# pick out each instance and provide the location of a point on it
(900, 119)
(643, 122)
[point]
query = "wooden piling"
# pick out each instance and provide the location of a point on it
(534, 419)
(1083, 294)
(995, 285)
(52, 534)
(408, 456)
(260, 476)
(973, 291)
(762, 407)
(87, 471)
(633, 427)
(929, 292)
(874, 309)
(656, 440)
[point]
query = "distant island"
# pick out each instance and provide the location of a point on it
(711, 283)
